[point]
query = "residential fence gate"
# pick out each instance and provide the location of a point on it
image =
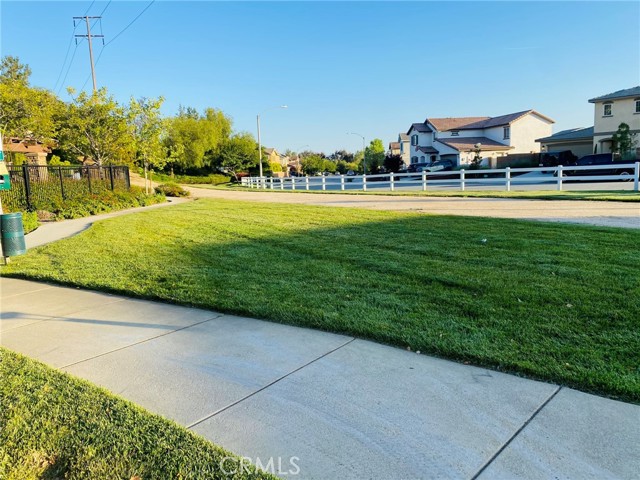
(34, 186)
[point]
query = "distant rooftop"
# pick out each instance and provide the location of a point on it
(571, 134)
(627, 92)
(420, 127)
(473, 123)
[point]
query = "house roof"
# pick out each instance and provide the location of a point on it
(571, 134)
(420, 127)
(427, 150)
(627, 92)
(17, 145)
(468, 143)
(472, 123)
(454, 123)
(394, 145)
(269, 151)
(403, 137)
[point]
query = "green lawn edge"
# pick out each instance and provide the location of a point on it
(54, 425)
(587, 195)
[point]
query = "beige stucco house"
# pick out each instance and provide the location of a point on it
(457, 138)
(610, 111)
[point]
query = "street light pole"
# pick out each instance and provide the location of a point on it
(259, 142)
(364, 161)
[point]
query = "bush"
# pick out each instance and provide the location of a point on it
(29, 221)
(211, 179)
(172, 190)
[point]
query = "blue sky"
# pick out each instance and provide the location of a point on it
(366, 67)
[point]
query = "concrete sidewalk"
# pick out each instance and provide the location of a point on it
(52, 231)
(346, 408)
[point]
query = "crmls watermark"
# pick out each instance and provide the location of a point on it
(273, 465)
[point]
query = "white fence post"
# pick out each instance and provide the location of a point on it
(282, 183)
(293, 183)
(341, 182)
(306, 182)
(364, 182)
(636, 179)
(507, 178)
(559, 170)
(324, 183)
(462, 178)
(391, 182)
(271, 182)
(424, 181)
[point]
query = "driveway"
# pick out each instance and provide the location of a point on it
(609, 214)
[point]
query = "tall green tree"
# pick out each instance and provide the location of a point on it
(237, 154)
(148, 128)
(25, 112)
(95, 126)
(374, 156)
(199, 135)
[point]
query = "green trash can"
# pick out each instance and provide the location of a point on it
(12, 235)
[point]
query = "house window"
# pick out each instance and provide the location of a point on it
(414, 159)
(455, 133)
(422, 158)
(414, 140)
(607, 110)
(637, 105)
(507, 133)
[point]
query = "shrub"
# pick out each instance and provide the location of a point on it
(29, 221)
(172, 190)
(212, 179)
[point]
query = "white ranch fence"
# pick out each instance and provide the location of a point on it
(543, 178)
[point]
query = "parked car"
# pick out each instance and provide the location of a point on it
(440, 166)
(553, 159)
(418, 167)
(605, 159)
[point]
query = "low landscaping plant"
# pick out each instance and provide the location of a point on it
(55, 426)
(211, 179)
(29, 221)
(551, 301)
(172, 190)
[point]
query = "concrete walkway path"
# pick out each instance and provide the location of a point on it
(344, 408)
(52, 231)
(607, 214)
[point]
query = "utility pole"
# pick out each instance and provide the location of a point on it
(88, 36)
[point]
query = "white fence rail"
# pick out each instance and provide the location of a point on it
(543, 178)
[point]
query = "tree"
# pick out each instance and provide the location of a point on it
(624, 142)
(238, 154)
(477, 157)
(95, 127)
(312, 164)
(25, 112)
(374, 156)
(200, 136)
(147, 127)
(393, 163)
(12, 71)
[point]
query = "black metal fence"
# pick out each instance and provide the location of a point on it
(35, 187)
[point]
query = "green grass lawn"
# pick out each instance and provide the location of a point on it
(550, 301)
(54, 426)
(602, 195)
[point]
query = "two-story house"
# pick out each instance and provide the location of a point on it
(459, 138)
(610, 111)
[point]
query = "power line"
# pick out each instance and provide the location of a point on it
(69, 67)
(116, 36)
(130, 23)
(66, 55)
(105, 8)
(87, 12)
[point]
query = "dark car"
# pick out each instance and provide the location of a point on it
(418, 167)
(553, 159)
(604, 159)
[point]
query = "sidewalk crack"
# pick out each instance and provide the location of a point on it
(233, 404)
(517, 432)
